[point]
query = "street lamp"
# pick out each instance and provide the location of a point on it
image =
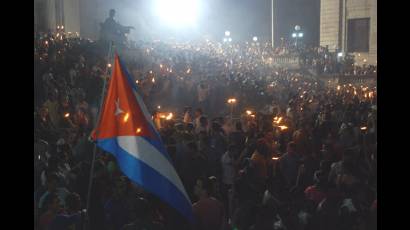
(297, 34)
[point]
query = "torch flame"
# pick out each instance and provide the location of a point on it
(231, 100)
(283, 127)
(169, 117)
(126, 117)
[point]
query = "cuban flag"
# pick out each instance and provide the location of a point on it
(126, 130)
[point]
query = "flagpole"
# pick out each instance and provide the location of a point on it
(107, 69)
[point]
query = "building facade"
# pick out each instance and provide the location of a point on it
(48, 14)
(350, 26)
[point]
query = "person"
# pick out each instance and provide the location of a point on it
(52, 188)
(228, 176)
(208, 212)
(116, 213)
(200, 122)
(187, 115)
(237, 138)
(259, 161)
(52, 207)
(72, 217)
(143, 213)
(289, 165)
(317, 192)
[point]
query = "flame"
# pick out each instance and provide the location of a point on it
(248, 112)
(283, 127)
(253, 115)
(363, 128)
(126, 117)
(338, 87)
(169, 117)
(66, 115)
(275, 158)
(138, 130)
(231, 100)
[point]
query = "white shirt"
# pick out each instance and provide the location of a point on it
(228, 171)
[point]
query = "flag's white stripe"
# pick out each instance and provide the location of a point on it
(143, 108)
(144, 151)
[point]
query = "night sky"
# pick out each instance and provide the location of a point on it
(244, 18)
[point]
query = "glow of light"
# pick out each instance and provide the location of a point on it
(338, 87)
(227, 33)
(363, 128)
(255, 38)
(137, 81)
(169, 117)
(127, 115)
(188, 71)
(39, 157)
(253, 115)
(109, 65)
(275, 158)
(62, 27)
(248, 112)
(46, 42)
(160, 66)
(283, 127)
(231, 100)
(300, 35)
(138, 130)
(229, 39)
(294, 35)
(67, 115)
(158, 107)
(310, 101)
(279, 120)
(153, 80)
(177, 13)
(150, 71)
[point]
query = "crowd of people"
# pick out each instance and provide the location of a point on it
(256, 146)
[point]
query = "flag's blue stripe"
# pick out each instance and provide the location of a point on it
(157, 142)
(147, 177)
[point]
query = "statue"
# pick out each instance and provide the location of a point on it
(113, 31)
